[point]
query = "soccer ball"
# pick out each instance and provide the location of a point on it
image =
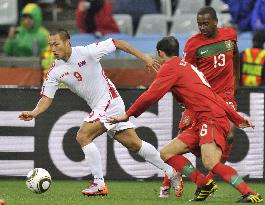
(38, 180)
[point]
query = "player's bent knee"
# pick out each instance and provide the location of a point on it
(209, 163)
(83, 137)
(164, 155)
(79, 138)
(208, 166)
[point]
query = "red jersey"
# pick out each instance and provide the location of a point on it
(214, 57)
(189, 87)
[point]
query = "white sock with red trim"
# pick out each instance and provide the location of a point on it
(150, 154)
(93, 158)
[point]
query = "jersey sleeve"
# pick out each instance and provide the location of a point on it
(232, 35)
(163, 82)
(100, 49)
(50, 86)
(230, 112)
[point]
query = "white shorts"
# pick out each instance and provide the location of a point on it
(112, 107)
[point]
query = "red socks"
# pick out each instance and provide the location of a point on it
(166, 181)
(209, 176)
(184, 166)
(230, 175)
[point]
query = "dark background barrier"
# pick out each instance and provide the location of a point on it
(49, 141)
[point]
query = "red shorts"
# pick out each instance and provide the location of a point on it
(204, 132)
(228, 147)
(197, 152)
(226, 152)
(188, 121)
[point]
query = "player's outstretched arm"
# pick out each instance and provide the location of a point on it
(149, 62)
(43, 104)
(233, 116)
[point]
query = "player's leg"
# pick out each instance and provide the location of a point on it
(188, 138)
(211, 155)
(229, 140)
(85, 136)
(171, 154)
(165, 188)
(131, 141)
(88, 131)
(94, 125)
(124, 132)
(225, 154)
(210, 176)
(186, 121)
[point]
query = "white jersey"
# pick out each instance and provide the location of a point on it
(83, 74)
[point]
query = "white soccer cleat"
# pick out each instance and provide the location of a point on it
(96, 190)
(164, 192)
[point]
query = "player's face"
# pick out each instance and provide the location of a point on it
(207, 25)
(27, 21)
(59, 47)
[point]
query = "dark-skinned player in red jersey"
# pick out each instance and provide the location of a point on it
(214, 52)
(211, 114)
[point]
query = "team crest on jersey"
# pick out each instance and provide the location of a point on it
(228, 44)
(187, 120)
(82, 63)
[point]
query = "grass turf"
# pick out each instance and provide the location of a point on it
(63, 192)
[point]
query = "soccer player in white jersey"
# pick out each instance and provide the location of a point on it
(80, 70)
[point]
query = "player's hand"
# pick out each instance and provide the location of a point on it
(246, 123)
(26, 115)
(151, 64)
(2, 202)
(116, 119)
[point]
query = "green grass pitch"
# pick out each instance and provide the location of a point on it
(64, 192)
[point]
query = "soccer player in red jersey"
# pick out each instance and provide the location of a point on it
(211, 127)
(214, 52)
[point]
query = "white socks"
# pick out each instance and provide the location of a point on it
(93, 158)
(150, 154)
(147, 151)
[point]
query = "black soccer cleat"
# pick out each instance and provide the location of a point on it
(203, 192)
(250, 198)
